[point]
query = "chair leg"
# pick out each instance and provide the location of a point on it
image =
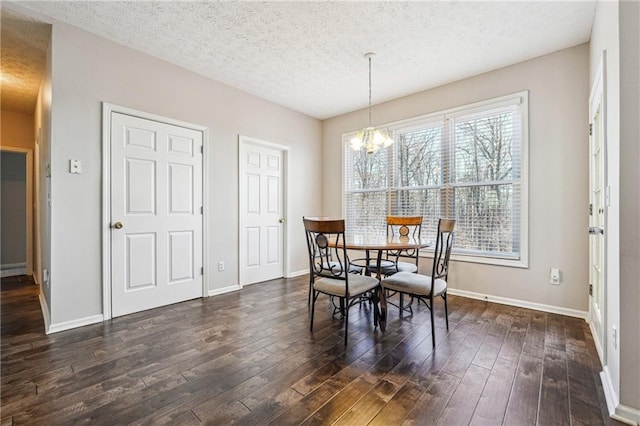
(313, 308)
(433, 326)
(401, 303)
(346, 324)
(310, 290)
(446, 312)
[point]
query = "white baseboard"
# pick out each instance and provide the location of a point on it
(610, 394)
(45, 311)
(296, 273)
(617, 411)
(13, 269)
(626, 414)
(596, 342)
(13, 265)
(80, 322)
(519, 303)
(223, 290)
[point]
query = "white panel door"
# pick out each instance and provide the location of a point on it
(156, 218)
(261, 211)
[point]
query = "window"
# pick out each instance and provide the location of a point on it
(468, 163)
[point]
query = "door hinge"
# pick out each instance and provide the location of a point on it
(590, 209)
(590, 289)
(201, 210)
(202, 270)
(201, 149)
(590, 129)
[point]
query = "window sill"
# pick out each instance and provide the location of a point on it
(495, 261)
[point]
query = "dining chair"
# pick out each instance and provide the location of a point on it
(402, 226)
(422, 287)
(353, 268)
(329, 270)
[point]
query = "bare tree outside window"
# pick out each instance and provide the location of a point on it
(366, 181)
(484, 169)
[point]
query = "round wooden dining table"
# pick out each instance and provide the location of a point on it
(380, 243)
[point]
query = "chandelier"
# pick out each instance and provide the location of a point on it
(370, 138)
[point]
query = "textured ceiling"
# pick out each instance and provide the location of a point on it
(23, 51)
(308, 56)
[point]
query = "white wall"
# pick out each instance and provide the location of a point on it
(629, 21)
(558, 172)
(88, 70)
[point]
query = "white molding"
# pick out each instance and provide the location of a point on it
(107, 110)
(106, 210)
(14, 265)
(13, 271)
(610, 395)
(68, 325)
(519, 303)
(617, 411)
(224, 290)
(596, 339)
(626, 414)
(206, 261)
(597, 101)
(297, 273)
(46, 316)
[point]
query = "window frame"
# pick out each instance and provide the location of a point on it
(520, 99)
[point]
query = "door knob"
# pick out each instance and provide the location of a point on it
(281, 220)
(118, 225)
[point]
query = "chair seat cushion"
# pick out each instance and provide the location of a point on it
(401, 267)
(358, 284)
(411, 283)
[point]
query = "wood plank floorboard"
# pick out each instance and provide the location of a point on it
(248, 358)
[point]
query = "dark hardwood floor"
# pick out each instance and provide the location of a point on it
(248, 358)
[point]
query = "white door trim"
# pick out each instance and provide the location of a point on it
(30, 202)
(247, 140)
(107, 110)
(597, 99)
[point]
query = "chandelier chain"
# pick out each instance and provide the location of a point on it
(370, 138)
(370, 91)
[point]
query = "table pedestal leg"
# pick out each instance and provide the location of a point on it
(383, 297)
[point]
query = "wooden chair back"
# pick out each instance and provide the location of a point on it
(405, 226)
(325, 257)
(442, 251)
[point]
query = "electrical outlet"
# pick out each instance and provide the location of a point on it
(221, 266)
(554, 276)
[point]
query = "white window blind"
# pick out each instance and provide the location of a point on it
(466, 163)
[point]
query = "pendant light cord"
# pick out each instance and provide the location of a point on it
(369, 91)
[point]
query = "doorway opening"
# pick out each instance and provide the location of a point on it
(16, 217)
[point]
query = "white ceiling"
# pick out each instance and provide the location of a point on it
(308, 55)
